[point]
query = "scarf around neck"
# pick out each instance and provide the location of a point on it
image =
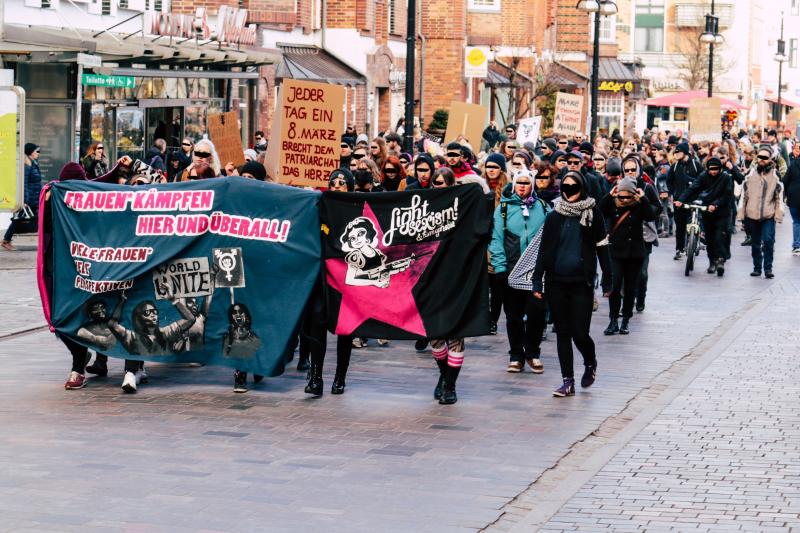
(581, 208)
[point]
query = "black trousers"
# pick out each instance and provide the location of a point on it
(524, 336)
(80, 354)
(641, 291)
(496, 290)
(625, 279)
(681, 219)
(571, 306)
(717, 240)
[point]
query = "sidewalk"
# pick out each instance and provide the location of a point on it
(724, 455)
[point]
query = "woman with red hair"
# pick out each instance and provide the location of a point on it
(392, 173)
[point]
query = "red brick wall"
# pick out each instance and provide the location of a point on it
(444, 25)
(341, 14)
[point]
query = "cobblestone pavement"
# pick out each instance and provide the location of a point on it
(724, 455)
(186, 454)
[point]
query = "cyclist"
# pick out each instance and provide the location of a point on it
(683, 172)
(714, 188)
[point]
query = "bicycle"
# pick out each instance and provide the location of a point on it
(693, 234)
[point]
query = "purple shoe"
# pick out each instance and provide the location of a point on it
(566, 389)
(588, 376)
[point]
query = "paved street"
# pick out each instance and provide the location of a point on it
(186, 454)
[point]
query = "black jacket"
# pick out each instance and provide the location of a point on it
(627, 241)
(548, 249)
(712, 191)
(791, 184)
(681, 175)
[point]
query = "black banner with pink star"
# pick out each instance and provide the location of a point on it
(407, 265)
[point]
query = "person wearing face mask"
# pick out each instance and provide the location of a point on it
(625, 209)
(517, 220)
(367, 177)
(714, 188)
(683, 171)
(760, 209)
(565, 272)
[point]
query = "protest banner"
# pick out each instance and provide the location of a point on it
(224, 132)
(407, 265)
(792, 121)
(673, 125)
(528, 130)
(568, 114)
(143, 256)
(306, 133)
(705, 120)
(12, 156)
(468, 120)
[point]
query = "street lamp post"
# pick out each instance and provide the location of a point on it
(781, 58)
(711, 36)
(598, 8)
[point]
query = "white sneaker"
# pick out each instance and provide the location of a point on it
(796, 251)
(141, 375)
(358, 342)
(383, 342)
(129, 382)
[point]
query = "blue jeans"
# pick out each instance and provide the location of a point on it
(762, 235)
(795, 227)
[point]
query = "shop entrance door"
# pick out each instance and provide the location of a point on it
(129, 132)
(165, 123)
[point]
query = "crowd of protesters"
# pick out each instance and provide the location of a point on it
(562, 206)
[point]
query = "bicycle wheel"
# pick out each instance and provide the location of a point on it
(691, 248)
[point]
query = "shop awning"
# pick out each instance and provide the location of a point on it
(682, 100)
(305, 62)
(611, 68)
(501, 75)
(566, 78)
(784, 101)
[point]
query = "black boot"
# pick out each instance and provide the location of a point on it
(623, 328)
(720, 267)
(449, 389)
(302, 363)
(439, 390)
(338, 384)
(613, 327)
(100, 366)
(712, 267)
(314, 384)
(640, 304)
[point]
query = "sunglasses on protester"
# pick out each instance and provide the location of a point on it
(573, 163)
(631, 170)
(624, 197)
(338, 182)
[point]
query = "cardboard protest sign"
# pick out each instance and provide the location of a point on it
(705, 120)
(230, 267)
(224, 132)
(468, 120)
(12, 176)
(568, 114)
(130, 270)
(528, 130)
(306, 133)
(182, 278)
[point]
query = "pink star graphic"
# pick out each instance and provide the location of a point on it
(393, 305)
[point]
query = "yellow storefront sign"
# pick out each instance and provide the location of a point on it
(615, 86)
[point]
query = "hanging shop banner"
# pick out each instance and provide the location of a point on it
(306, 133)
(468, 120)
(12, 156)
(211, 271)
(476, 61)
(528, 130)
(568, 114)
(407, 265)
(704, 120)
(224, 132)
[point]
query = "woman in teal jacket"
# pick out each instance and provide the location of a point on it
(517, 220)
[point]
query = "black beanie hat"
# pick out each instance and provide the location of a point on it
(30, 148)
(556, 155)
(255, 169)
(551, 144)
(614, 166)
(714, 162)
(497, 159)
(346, 174)
(587, 147)
(683, 148)
(525, 155)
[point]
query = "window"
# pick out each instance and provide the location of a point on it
(649, 33)
(392, 8)
(610, 111)
(793, 52)
(492, 6)
(608, 29)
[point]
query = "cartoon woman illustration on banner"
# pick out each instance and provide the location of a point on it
(240, 341)
(366, 265)
(96, 331)
(147, 337)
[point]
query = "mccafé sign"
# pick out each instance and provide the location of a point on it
(231, 26)
(615, 86)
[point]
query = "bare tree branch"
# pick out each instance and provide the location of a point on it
(693, 63)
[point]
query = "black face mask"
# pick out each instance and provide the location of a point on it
(570, 189)
(363, 177)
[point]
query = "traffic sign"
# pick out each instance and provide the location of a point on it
(100, 80)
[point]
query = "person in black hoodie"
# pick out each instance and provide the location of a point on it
(683, 172)
(565, 271)
(626, 208)
(791, 187)
(714, 188)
